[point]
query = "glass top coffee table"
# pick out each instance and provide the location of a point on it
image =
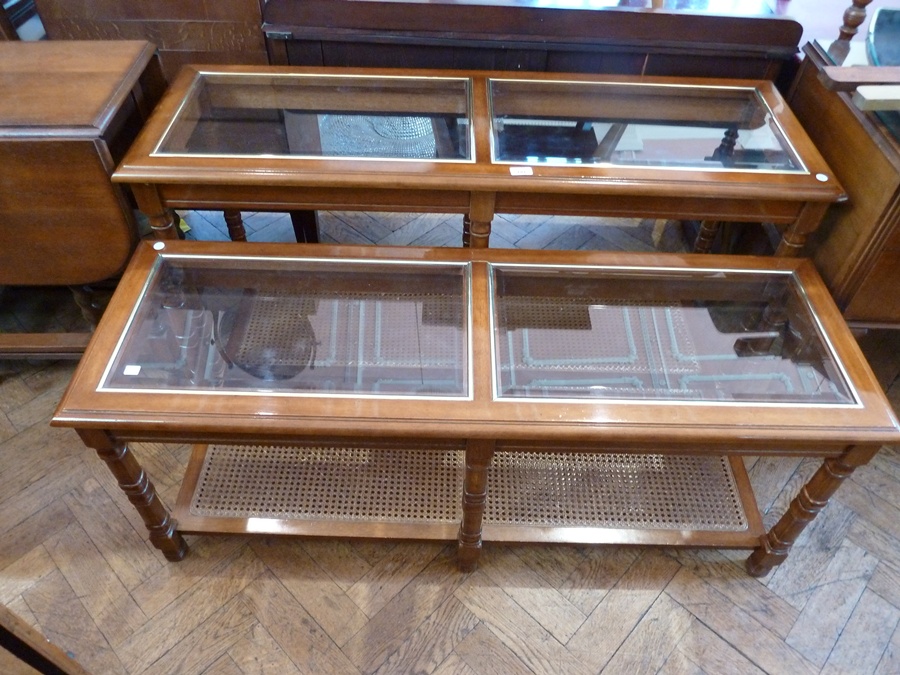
(454, 393)
(274, 138)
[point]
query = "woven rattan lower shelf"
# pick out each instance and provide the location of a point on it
(394, 491)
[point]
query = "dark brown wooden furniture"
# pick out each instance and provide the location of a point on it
(858, 247)
(285, 139)
(633, 38)
(68, 112)
(505, 395)
(224, 31)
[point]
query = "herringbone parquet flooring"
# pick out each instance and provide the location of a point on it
(75, 561)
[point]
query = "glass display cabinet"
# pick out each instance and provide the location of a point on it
(498, 395)
(479, 144)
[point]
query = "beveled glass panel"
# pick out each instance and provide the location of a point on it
(298, 326)
(634, 124)
(290, 114)
(715, 335)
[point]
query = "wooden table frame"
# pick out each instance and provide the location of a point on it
(480, 189)
(844, 436)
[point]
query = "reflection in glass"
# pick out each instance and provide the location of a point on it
(322, 116)
(883, 40)
(299, 326)
(541, 122)
(714, 336)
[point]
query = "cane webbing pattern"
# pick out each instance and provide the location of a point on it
(278, 333)
(329, 483)
(386, 343)
(524, 488)
(615, 491)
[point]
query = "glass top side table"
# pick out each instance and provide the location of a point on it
(289, 139)
(455, 381)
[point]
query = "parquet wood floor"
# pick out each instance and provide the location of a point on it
(76, 564)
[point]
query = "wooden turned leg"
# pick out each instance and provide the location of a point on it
(813, 497)
(479, 233)
(795, 236)
(163, 220)
(706, 236)
(790, 246)
(854, 15)
(140, 492)
(478, 458)
(478, 220)
(235, 225)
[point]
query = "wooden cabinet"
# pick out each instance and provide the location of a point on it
(206, 31)
(68, 112)
(551, 37)
(857, 248)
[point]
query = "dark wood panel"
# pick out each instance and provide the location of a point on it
(207, 31)
(508, 22)
(877, 296)
(385, 55)
(172, 10)
(186, 35)
(525, 36)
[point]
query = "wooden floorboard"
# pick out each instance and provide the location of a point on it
(75, 562)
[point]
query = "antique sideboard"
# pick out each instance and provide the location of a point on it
(743, 40)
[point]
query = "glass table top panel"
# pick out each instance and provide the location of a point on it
(698, 127)
(334, 116)
(706, 336)
(301, 327)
